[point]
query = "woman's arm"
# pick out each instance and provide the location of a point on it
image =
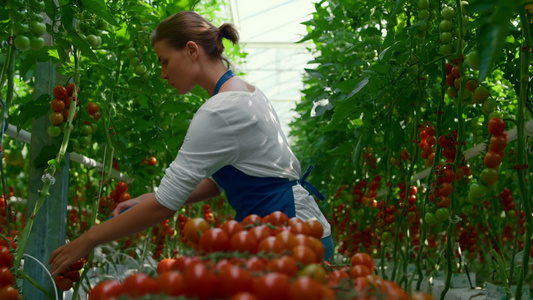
(205, 190)
(140, 217)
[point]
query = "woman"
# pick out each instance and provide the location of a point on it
(234, 143)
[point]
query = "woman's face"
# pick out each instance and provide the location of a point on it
(176, 66)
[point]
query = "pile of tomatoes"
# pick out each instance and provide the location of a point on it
(271, 257)
(7, 280)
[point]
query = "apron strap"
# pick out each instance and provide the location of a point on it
(309, 186)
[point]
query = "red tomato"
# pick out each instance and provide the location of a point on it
(294, 220)
(139, 284)
(6, 277)
(6, 258)
(57, 105)
(70, 89)
(124, 197)
(165, 265)
(260, 232)
(287, 238)
(8, 292)
(213, 240)
(234, 280)
(244, 296)
(305, 288)
(496, 126)
(171, 283)
(243, 241)
(251, 220)
(105, 290)
(361, 258)
(336, 276)
(497, 143)
(300, 228)
(121, 187)
(182, 262)
(271, 286)
(256, 264)
(359, 271)
(60, 92)
(492, 159)
(92, 108)
(316, 229)
(231, 227)
(194, 228)
(198, 281)
(270, 245)
(304, 255)
(285, 264)
(278, 218)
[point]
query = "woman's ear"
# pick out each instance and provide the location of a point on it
(193, 50)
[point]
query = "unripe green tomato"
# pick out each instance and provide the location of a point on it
(86, 129)
(54, 130)
(386, 236)
(445, 26)
(447, 13)
(430, 218)
(131, 52)
(481, 93)
(442, 214)
(22, 42)
(94, 127)
(432, 14)
(446, 37)
(36, 16)
(445, 49)
(452, 91)
(147, 75)
(36, 43)
(19, 27)
(37, 27)
(101, 24)
(17, 15)
(140, 69)
(423, 4)
(135, 61)
(489, 176)
(37, 5)
(423, 14)
(472, 59)
(489, 106)
(85, 140)
(98, 41)
(495, 114)
(92, 40)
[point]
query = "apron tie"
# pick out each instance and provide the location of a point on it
(309, 186)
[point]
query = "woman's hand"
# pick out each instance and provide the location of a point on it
(122, 206)
(68, 254)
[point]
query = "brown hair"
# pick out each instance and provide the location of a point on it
(185, 26)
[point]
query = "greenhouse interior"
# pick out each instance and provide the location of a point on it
(359, 149)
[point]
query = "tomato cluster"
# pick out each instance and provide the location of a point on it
(411, 213)
(66, 279)
(90, 28)
(427, 143)
(136, 62)
(60, 107)
(426, 14)
(160, 234)
(271, 257)
(119, 194)
(385, 224)
(508, 203)
(468, 241)
(208, 214)
(151, 161)
(27, 23)
(8, 291)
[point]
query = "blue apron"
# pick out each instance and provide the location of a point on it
(260, 195)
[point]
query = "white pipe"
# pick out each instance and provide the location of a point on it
(25, 136)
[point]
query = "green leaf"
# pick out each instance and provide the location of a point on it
(357, 152)
(492, 35)
(99, 8)
(342, 149)
(358, 87)
(174, 107)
